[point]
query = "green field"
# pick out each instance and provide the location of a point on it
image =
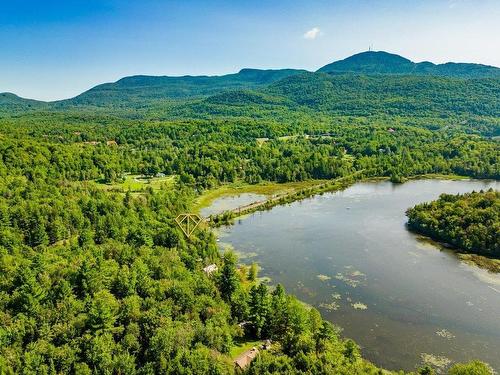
(138, 183)
(241, 346)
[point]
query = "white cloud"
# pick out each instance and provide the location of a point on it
(313, 33)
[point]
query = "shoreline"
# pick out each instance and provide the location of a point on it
(492, 265)
(292, 195)
(296, 192)
(341, 184)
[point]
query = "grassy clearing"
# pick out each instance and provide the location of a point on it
(242, 345)
(266, 188)
(137, 183)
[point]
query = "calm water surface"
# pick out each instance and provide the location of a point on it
(231, 202)
(397, 295)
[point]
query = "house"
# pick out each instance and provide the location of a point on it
(244, 359)
(210, 269)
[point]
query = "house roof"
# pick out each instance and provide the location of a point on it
(244, 359)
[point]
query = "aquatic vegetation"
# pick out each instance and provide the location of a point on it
(307, 291)
(359, 306)
(349, 281)
(336, 296)
(330, 306)
(246, 255)
(445, 334)
(492, 265)
(226, 247)
(472, 368)
(357, 273)
(440, 362)
(323, 277)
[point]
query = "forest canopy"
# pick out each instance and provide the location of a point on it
(470, 221)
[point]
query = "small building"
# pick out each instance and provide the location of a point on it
(160, 175)
(210, 269)
(246, 358)
(111, 143)
(391, 130)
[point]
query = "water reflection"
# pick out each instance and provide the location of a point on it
(230, 202)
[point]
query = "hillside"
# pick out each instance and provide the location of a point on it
(380, 62)
(140, 89)
(364, 95)
(11, 103)
(419, 98)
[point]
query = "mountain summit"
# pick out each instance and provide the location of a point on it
(371, 62)
(380, 62)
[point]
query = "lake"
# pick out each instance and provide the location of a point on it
(402, 298)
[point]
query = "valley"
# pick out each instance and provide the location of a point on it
(96, 277)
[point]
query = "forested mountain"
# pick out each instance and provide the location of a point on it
(473, 104)
(11, 103)
(380, 62)
(365, 95)
(140, 89)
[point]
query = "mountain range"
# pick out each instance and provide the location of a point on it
(360, 73)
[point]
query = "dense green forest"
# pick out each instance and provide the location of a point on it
(470, 222)
(380, 62)
(97, 278)
(99, 281)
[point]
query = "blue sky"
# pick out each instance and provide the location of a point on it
(56, 49)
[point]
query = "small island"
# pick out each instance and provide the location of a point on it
(468, 222)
